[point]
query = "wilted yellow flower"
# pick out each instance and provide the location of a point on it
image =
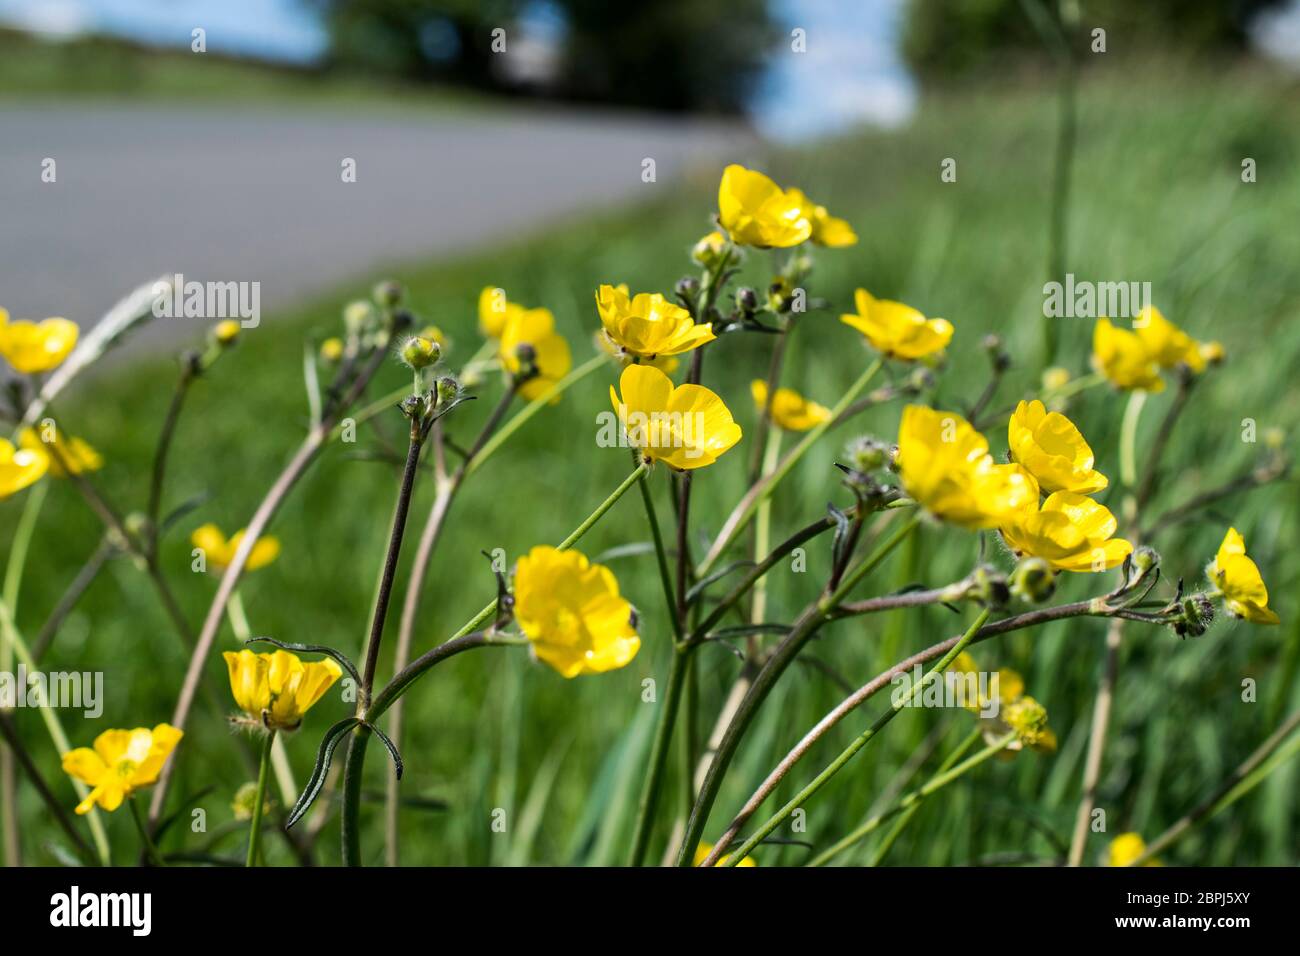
(572, 612)
(1051, 447)
(1124, 359)
(647, 325)
(1238, 577)
(219, 553)
(1071, 532)
(1165, 342)
(121, 762)
(494, 311)
(703, 850)
(758, 212)
(1126, 848)
(226, 331)
(685, 427)
(790, 410)
(73, 452)
(275, 690)
(19, 468)
(32, 347)
(896, 330)
(945, 465)
(544, 350)
(331, 350)
(827, 230)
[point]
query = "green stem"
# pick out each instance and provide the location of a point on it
(659, 753)
(150, 851)
(888, 840)
(21, 544)
(479, 619)
(763, 526)
(12, 639)
(532, 408)
(1128, 438)
(848, 753)
(255, 825)
(661, 554)
(911, 801)
(352, 775)
(748, 506)
(785, 653)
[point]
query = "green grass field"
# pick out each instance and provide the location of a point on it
(1157, 196)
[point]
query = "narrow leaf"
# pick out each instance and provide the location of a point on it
(322, 768)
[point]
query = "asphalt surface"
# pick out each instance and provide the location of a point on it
(257, 195)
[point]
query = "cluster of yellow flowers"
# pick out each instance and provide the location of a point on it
(1133, 360)
(570, 610)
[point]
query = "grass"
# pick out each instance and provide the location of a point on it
(104, 68)
(1157, 196)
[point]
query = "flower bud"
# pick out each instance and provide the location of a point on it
(1055, 378)
(356, 316)
(1197, 616)
(225, 332)
(1033, 580)
(527, 356)
(869, 454)
(708, 251)
(1213, 352)
(331, 350)
(246, 799)
(412, 406)
(989, 587)
(388, 293)
(688, 287)
(419, 352)
(992, 344)
(746, 300)
(448, 390)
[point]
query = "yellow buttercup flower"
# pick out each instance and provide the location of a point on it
(572, 612)
(757, 212)
(1165, 342)
(32, 347)
(544, 350)
(1051, 447)
(1071, 532)
(19, 468)
(219, 553)
(945, 465)
(1126, 848)
(896, 330)
(1055, 378)
(1124, 359)
(703, 850)
(790, 410)
(647, 325)
(827, 230)
(685, 427)
(121, 762)
(1238, 577)
(494, 311)
(276, 690)
(73, 452)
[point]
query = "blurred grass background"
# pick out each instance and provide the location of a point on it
(1157, 196)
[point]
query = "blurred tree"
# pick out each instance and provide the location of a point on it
(660, 54)
(945, 40)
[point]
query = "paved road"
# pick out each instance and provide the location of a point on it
(226, 194)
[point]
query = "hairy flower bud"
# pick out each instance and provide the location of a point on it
(388, 293)
(869, 454)
(225, 332)
(1028, 718)
(419, 352)
(746, 300)
(688, 287)
(1033, 580)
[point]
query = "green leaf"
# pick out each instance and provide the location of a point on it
(322, 768)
